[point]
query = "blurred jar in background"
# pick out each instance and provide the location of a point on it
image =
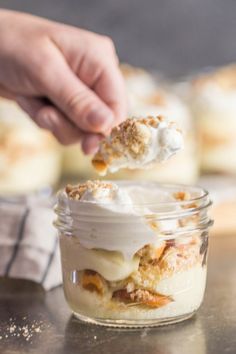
(30, 158)
(213, 101)
(139, 83)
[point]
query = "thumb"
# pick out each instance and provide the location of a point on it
(80, 104)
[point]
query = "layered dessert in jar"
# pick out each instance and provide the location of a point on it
(213, 103)
(134, 253)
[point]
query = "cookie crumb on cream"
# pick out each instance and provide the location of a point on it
(77, 191)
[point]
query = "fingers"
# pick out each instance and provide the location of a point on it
(52, 119)
(108, 84)
(49, 117)
(30, 105)
(81, 105)
(110, 88)
(101, 73)
(88, 100)
(89, 90)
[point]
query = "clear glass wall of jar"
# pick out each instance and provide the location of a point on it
(162, 283)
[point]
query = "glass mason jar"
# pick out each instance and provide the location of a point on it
(163, 282)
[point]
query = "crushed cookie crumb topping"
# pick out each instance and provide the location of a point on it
(77, 191)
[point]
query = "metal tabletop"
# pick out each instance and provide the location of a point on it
(212, 330)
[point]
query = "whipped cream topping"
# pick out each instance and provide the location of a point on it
(113, 218)
(138, 143)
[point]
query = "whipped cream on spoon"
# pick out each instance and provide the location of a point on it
(138, 143)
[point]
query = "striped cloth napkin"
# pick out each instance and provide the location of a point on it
(28, 240)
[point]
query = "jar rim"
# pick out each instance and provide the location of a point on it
(166, 187)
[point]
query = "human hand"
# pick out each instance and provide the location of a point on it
(67, 79)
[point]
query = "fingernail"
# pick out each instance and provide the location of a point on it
(102, 119)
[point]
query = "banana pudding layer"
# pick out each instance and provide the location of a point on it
(138, 143)
(187, 289)
(133, 252)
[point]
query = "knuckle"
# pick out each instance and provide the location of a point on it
(73, 101)
(80, 103)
